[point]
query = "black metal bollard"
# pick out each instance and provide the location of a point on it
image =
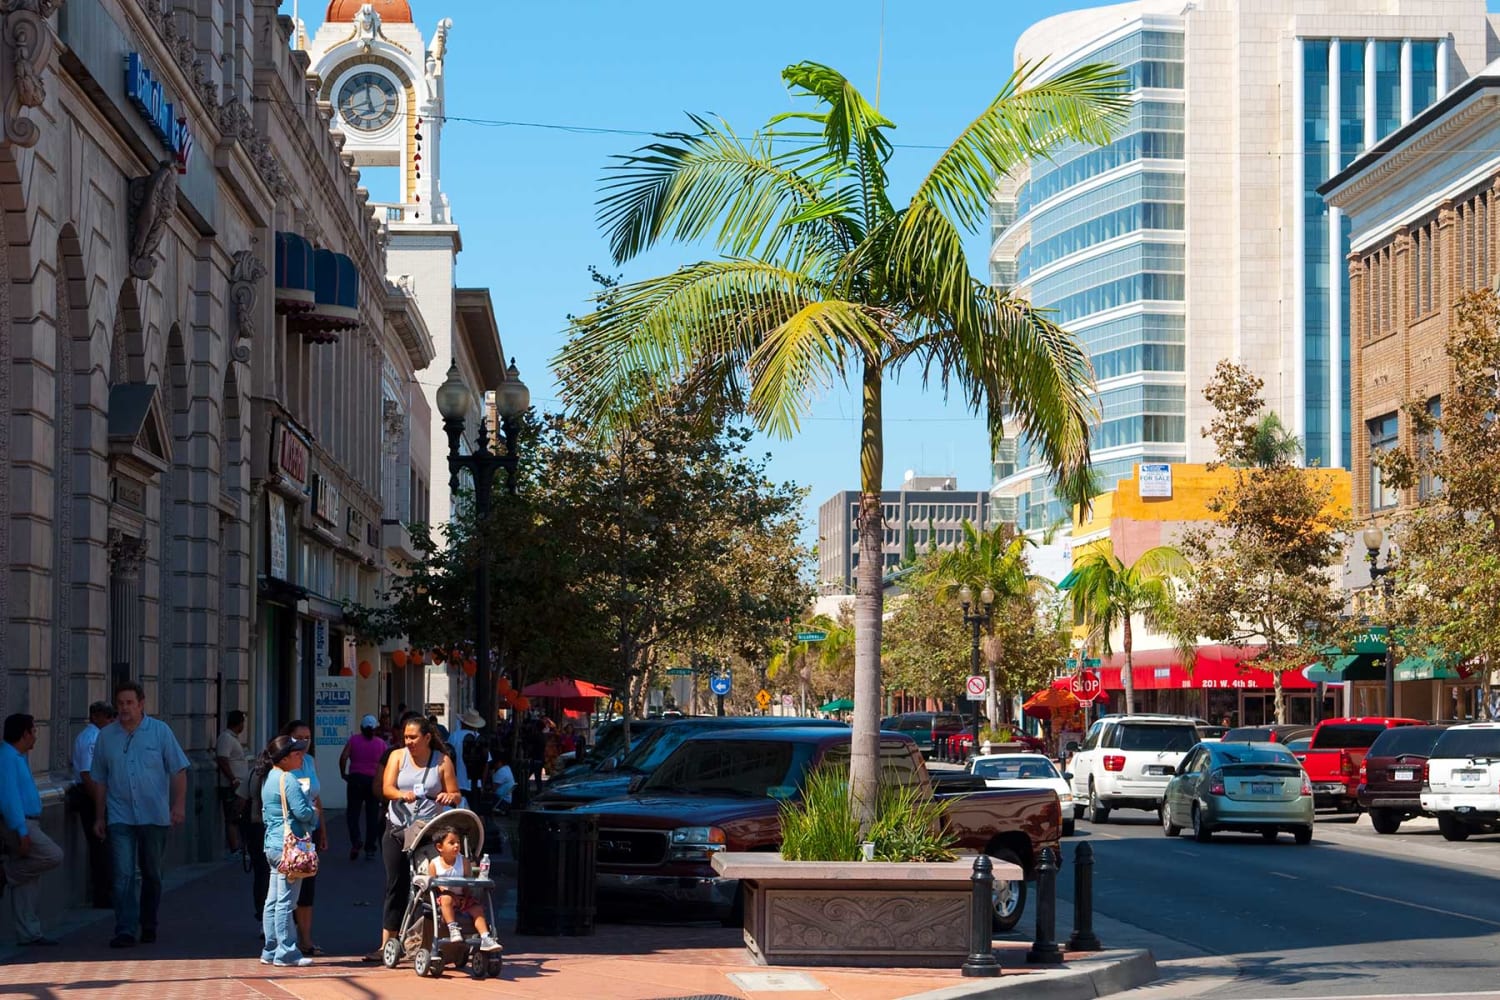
(1044, 950)
(1084, 938)
(981, 962)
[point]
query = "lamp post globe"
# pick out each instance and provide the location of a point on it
(454, 397)
(965, 595)
(987, 596)
(512, 398)
(1373, 536)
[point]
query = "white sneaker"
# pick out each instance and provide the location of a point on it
(488, 943)
(455, 933)
(300, 963)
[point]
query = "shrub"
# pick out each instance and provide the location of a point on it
(822, 826)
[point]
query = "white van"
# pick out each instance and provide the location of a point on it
(1126, 761)
(1462, 786)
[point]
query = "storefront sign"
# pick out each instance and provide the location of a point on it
(277, 509)
(290, 453)
(325, 500)
(320, 646)
(146, 93)
(1156, 480)
(333, 710)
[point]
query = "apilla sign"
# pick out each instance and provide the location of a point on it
(145, 91)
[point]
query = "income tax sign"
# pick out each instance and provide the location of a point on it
(1086, 685)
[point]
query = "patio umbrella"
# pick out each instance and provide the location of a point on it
(1048, 700)
(563, 687)
(839, 705)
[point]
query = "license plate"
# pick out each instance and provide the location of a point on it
(1469, 777)
(1406, 774)
(1158, 769)
(1262, 787)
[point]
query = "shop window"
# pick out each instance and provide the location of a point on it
(1382, 439)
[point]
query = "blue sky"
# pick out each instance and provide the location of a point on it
(525, 196)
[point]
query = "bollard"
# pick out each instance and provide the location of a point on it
(1084, 938)
(981, 962)
(1044, 950)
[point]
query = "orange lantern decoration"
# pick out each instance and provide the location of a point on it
(398, 658)
(523, 703)
(503, 686)
(346, 671)
(438, 657)
(457, 656)
(365, 670)
(470, 668)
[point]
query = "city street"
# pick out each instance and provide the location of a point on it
(1354, 914)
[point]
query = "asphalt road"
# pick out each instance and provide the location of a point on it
(1353, 914)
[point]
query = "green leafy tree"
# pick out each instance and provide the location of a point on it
(823, 277)
(1448, 574)
(1107, 594)
(1264, 571)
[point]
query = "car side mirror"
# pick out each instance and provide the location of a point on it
(636, 783)
(1067, 775)
(609, 764)
(1072, 746)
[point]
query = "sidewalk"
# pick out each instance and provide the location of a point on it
(209, 948)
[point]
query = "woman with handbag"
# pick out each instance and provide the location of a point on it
(290, 818)
(419, 782)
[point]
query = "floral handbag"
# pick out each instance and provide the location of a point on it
(299, 858)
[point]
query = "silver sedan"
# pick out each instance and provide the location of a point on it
(1239, 786)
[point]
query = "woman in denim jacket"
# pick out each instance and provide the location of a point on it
(286, 755)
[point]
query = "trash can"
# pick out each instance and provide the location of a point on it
(555, 873)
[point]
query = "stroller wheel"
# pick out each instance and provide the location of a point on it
(493, 965)
(428, 962)
(390, 953)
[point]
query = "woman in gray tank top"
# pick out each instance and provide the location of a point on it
(419, 782)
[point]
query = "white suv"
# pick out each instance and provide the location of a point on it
(1462, 786)
(1126, 761)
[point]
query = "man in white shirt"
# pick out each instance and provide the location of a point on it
(81, 798)
(472, 722)
(234, 776)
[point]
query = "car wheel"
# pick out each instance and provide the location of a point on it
(1067, 828)
(1451, 828)
(1078, 811)
(1167, 826)
(1385, 820)
(1201, 833)
(1303, 835)
(1098, 811)
(1269, 836)
(1009, 896)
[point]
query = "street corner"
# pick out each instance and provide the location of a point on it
(1101, 974)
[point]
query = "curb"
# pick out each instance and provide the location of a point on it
(1111, 972)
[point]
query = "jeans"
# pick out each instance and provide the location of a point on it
(276, 919)
(137, 897)
(362, 802)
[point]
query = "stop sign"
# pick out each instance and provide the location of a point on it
(1086, 685)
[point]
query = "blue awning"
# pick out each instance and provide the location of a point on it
(295, 278)
(336, 298)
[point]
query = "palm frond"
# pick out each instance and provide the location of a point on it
(850, 121)
(802, 356)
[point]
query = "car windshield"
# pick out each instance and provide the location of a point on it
(1299, 745)
(654, 748)
(718, 766)
(1347, 736)
(1009, 769)
(1468, 743)
(1158, 736)
(1250, 734)
(1229, 753)
(1405, 740)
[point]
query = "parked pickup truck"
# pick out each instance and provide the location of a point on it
(1333, 757)
(722, 791)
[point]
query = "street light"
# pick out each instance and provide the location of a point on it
(1373, 537)
(975, 621)
(454, 401)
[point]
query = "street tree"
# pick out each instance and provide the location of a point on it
(1264, 569)
(1448, 573)
(822, 277)
(1107, 594)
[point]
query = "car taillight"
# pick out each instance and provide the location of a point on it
(1216, 783)
(1306, 788)
(1424, 772)
(1114, 763)
(1362, 771)
(1346, 764)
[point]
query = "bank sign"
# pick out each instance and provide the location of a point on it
(145, 92)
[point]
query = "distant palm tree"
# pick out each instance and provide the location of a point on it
(1106, 593)
(823, 278)
(1272, 444)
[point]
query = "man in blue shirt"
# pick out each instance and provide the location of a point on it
(140, 792)
(31, 852)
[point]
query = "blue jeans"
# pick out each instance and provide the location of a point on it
(276, 917)
(137, 897)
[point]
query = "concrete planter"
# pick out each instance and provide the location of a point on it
(855, 913)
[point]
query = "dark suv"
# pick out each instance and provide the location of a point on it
(1266, 734)
(1393, 772)
(926, 729)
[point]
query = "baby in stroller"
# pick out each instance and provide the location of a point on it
(450, 885)
(451, 864)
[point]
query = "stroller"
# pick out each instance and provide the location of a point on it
(423, 935)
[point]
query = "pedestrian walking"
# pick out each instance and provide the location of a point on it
(284, 806)
(470, 756)
(383, 725)
(254, 833)
(234, 770)
(140, 792)
(358, 764)
(419, 782)
(30, 852)
(306, 774)
(81, 799)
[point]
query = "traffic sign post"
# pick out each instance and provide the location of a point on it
(976, 687)
(763, 699)
(719, 685)
(1086, 686)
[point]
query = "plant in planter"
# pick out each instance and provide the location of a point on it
(823, 827)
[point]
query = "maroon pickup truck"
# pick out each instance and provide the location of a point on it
(723, 792)
(1333, 757)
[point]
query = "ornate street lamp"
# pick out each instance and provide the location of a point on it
(1373, 536)
(454, 401)
(975, 621)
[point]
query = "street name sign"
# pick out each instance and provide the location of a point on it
(976, 687)
(679, 671)
(811, 635)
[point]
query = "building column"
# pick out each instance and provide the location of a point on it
(1442, 67)
(126, 554)
(1372, 132)
(1406, 97)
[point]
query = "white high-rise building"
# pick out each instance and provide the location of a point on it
(1198, 233)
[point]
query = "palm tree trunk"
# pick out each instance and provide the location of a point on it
(1128, 677)
(1278, 704)
(864, 763)
(992, 660)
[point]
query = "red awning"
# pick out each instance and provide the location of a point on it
(1216, 667)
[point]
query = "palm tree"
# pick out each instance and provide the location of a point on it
(1106, 593)
(822, 278)
(1272, 445)
(995, 559)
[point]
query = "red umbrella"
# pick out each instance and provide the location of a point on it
(1042, 704)
(563, 687)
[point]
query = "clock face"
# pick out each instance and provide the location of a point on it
(368, 101)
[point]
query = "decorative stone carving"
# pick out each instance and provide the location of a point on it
(366, 27)
(153, 200)
(126, 553)
(244, 281)
(395, 420)
(26, 42)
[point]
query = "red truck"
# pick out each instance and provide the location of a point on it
(722, 791)
(1333, 757)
